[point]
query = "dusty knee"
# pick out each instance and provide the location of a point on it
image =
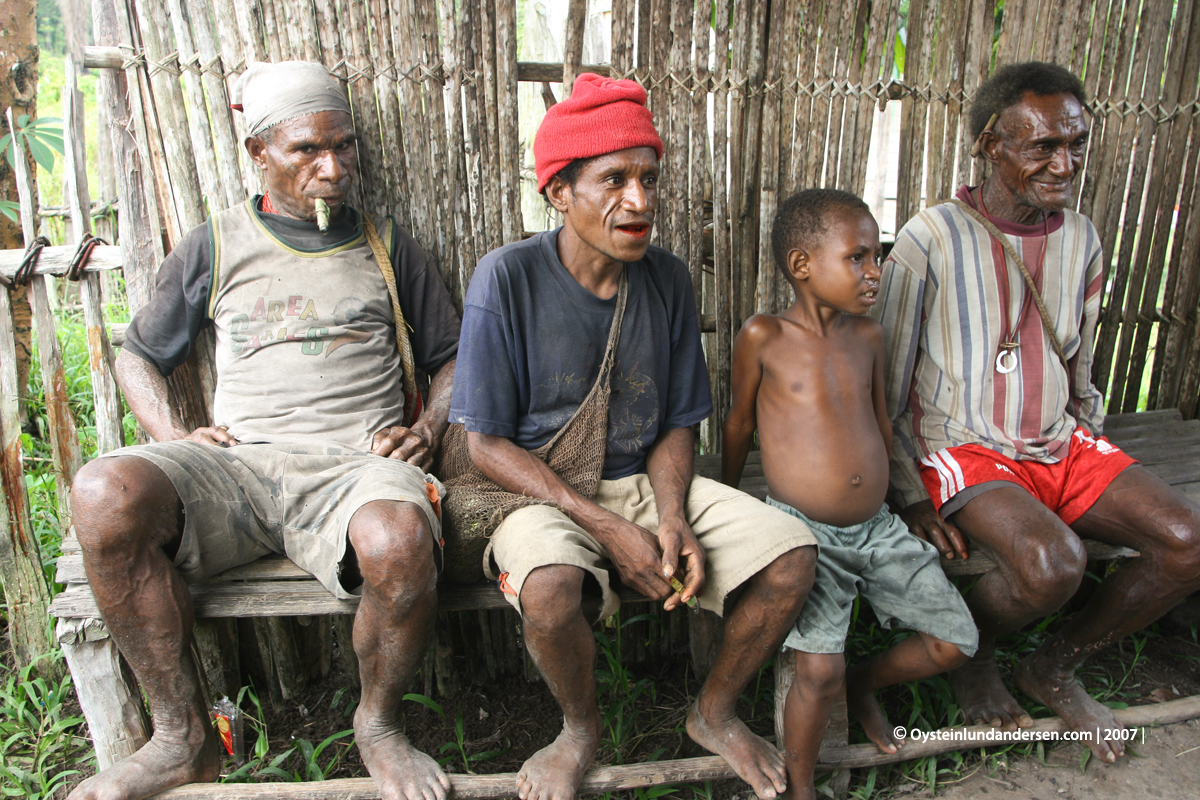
(1178, 545)
(393, 547)
(819, 675)
(551, 596)
(945, 655)
(119, 504)
(791, 574)
(1049, 572)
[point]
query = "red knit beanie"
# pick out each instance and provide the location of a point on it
(601, 116)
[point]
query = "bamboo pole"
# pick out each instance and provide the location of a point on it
(372, 177)
(747, 219)
(435, 132)
(64, 440)
(473, 143)
(674, 180)
(26, 594)
(913, 113)
(196, 121)
(182, 174)
(722, 274)
(506, 118)
(491, 153)
(1162, 194)
(234, 60)
(224, 141)
(975, 71)
(1149, 62)
(768, 187)
(623, 18)
(109, 432)
(251, 27)
(573, 47)
(464, 255)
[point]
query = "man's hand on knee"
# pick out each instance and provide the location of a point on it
(217, 435)
(678, 541)
(926, 523)
(411, 445)
(636, 554)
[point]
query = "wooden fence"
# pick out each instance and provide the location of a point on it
(791, 104)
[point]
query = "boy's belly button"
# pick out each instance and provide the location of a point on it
(856, 480)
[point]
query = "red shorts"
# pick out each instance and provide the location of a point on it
(1068, 488)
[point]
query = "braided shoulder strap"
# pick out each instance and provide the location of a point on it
(1012, 253)
(411, 392)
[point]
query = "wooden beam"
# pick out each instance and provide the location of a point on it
(527, 71)
(55, 260)
(600, 780)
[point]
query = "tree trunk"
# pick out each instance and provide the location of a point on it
(18, 90)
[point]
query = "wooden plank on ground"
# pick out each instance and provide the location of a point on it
(600, 780)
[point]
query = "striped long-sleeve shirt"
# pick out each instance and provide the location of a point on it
(948, 298)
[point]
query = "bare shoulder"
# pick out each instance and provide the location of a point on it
(759, 330)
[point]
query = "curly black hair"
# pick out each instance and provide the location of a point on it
(1010, 83)
(801, 220)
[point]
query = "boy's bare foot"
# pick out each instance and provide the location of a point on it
(401, 771)
(861, 702)
(983, 698)
(754, 759)
(159, 765)
(1057, 689)
(555, 771)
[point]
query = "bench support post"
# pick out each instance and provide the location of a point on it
(106, 690)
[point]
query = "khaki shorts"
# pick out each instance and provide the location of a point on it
(740, 536)
(243, 502)
(898, 574)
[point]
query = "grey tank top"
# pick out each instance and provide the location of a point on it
(306, 353)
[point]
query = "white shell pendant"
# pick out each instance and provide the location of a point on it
(1006, 361)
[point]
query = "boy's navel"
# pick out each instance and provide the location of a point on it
(856, 480)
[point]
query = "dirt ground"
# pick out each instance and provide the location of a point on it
(506, 721)
(1166, 765)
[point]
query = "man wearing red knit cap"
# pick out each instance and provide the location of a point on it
(580, 373)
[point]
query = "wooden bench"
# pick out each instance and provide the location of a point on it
(274, 587)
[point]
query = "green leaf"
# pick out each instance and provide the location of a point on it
(428, 702)
(10, 209)
(43, 155)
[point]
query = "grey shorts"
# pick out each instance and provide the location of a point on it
(243, 502)
(740, 536)
(897, 573)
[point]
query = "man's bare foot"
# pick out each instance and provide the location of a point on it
(861, 702)
(755, 760)
(1057, 689)
(159, 765)
(555, 771)
(983, 698)
(401, 771)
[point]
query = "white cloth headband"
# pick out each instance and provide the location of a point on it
(271, 93)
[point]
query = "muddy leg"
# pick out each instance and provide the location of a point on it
(128, 517)
(806, 717)
(394, 552)
(753, 632)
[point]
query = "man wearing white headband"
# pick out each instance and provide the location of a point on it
(318, 448)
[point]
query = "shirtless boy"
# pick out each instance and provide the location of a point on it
(811, 382)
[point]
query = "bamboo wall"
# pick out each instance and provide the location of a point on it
(434, 88)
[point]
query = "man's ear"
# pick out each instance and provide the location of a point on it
(557, 193)
(257, 149)
(989, 145)
(798, 264)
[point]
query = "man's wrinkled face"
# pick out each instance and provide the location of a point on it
(611, 205)
(305, 158)
(1037, 148)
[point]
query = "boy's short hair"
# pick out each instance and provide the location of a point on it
(1009, 85)
(801, 220)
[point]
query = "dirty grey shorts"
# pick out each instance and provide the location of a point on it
(243, 502)
(740, 536)
(898, 574)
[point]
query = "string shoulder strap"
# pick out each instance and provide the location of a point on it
(389, 277)
(1012, 253)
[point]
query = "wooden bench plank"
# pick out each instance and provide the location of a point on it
(292, 598)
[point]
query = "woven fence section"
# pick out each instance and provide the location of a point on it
(754, 100)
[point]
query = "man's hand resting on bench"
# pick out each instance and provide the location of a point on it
(926, 523)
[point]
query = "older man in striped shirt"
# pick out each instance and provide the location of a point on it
(989, 305)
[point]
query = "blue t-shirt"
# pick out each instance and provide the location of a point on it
(532, 341)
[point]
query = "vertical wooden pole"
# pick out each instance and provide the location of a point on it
(573, 49)
(506, 99)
